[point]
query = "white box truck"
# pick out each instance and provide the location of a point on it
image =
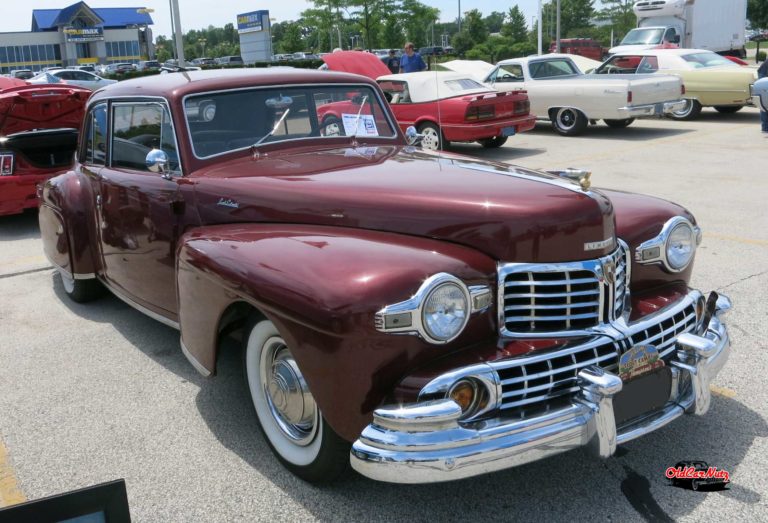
(716, 25)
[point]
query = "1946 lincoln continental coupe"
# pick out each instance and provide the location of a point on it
(422, 316)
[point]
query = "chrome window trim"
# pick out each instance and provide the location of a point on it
(595, 266)
(377, 90)
(414, 307)
(142, 100)
(660, 242)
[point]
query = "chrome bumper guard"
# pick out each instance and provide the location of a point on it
(425, 442)
(659, 109)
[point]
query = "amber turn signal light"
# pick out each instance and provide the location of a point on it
(463, 393)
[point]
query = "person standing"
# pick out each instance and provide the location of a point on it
(762, 72)
(411, 61)
(393, 62)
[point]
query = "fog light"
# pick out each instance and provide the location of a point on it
(464, 393)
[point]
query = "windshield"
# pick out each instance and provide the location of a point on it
(700, 60)
(643, 36)
(552, 68)
(233, 120)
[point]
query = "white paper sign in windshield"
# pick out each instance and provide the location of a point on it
(365, 127)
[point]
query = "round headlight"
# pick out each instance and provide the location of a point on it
(445, 312)
(680, 246)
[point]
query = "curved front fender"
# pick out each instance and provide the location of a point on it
(322, 286)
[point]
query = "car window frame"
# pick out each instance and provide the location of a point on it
(575, 70)
(493, 77)
(145, 101)
(82, 153)
(396, 132)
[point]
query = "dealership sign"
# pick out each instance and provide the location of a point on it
(250, 22)
(84, 34)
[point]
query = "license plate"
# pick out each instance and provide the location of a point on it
(508, 131)
(643, 394)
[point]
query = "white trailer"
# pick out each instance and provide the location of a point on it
(715, 25)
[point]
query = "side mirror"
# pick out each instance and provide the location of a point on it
(157, 161)
(675, 39)
(412, 136)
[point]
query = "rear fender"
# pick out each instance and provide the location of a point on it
(322, 286)
(66, 225)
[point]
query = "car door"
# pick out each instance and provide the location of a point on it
(139, 211)
(87, 80)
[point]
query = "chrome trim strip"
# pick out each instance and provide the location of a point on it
(427, 442)
(196, 364)
(155, 316)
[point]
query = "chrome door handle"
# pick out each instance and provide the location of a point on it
(98, 201)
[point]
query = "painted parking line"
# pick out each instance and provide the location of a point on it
(26, 260)
(722, 391)
(10, 493)
(737, 239)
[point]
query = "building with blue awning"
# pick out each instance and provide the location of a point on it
(79, 35)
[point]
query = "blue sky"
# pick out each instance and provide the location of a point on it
(195, 14)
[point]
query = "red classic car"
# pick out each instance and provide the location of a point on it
(444, 106)
(38, 135)
(422, 316)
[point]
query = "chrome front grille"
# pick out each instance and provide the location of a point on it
(535, 382)
(562, 298)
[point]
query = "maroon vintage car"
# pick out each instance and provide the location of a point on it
(421, 315)
(38, 136)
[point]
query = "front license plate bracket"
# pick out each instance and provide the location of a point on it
(642, 394)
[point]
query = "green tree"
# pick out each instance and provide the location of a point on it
(417, 20)
(474, 26)
(621, 16)
(515, 27)
(574, 16)
(292, 40)
(494, 21)
(757, 13)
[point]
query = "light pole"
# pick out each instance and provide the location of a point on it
(202, 44)
(557, 36)
(178, 36)
(459, 15)
(539, 27)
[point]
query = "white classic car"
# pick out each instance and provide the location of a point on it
(560, 92)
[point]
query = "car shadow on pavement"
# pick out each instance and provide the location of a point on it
(662, 129)
(20, 226)
(507, 153)
(711, 115)
(629, 485)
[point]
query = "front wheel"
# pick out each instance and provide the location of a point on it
(493, 143)
(568, 121)
(728, 109)
(286, 412)
(81, 291)
(690, 111)
(432, 137)
(619, 124)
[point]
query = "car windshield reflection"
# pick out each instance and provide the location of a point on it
(238, 119)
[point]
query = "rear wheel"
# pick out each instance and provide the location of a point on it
(81, 291)
(492, 143)
(695, 485)
(286, 412)
(690, 111)
(728, 109)
(619, 124)
(568, 121)
(432, 137)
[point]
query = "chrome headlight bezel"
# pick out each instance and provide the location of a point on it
(407, 317)
(655, 250)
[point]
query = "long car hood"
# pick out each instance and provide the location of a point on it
(509, 213)
(30, 107)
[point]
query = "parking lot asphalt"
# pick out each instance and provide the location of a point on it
(91, 393)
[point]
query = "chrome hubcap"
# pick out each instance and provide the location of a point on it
(430, 140)
(685, 110)
(566, 118)
(290, 402)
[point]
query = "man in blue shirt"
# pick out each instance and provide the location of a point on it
(411, 61)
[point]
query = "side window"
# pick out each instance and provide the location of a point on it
(670, 35)
(650, 64)
(510, 73)
(96, 136)
(136, 130)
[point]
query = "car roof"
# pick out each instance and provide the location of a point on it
(425, 86)
(178, 85)
(527, 59)
(659, 52)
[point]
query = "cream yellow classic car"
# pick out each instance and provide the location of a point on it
(710, 79)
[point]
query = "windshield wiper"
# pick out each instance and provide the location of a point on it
(274, 129)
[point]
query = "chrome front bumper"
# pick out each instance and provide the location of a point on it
(426, 443)
(659, 109)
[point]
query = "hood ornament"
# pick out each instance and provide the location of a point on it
(580, 176)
